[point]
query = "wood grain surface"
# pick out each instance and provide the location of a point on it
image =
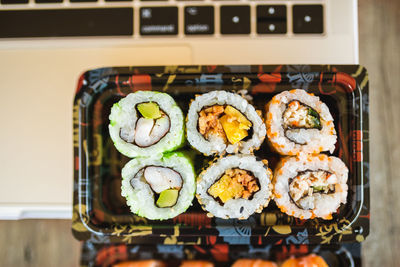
(38, 243)
(50, 242)
(379, 29)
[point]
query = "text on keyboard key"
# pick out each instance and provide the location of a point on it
(158, 20)
(199, 20)
(82, 1)
(271, 19)
(11, 2)
(235, 19)
(66, 22)
(48, 1)
(308, 19)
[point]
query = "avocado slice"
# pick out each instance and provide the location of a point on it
(167, 198)
(149, 110)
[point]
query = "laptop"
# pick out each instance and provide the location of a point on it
(46, 44)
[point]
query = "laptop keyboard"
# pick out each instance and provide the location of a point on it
(199, 20)
(159, 20)
(271, 19)
(58, 18)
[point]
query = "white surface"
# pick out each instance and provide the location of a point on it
(34, 211)
(38, 80)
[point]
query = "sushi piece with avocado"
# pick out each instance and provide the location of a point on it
(159, 188)
(146, 123)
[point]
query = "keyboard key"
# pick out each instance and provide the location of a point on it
(48, 1)
(66, 22)
(82, 1)
(199, 20)
(12, 2)
(159, 21)
(271, 19)
(118, 0)
(308, 19)
(235, 19)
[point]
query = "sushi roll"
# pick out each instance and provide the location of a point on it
(310, 186)
(309, 260)
(159, 188)
(196, 263)
(146, 123)
(298, 122)
(235, 186)
(140, 263)
(254, 263)
(220, 121)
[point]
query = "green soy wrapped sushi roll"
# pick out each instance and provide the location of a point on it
(159, 188)
(235, 186)
(310, 186)
(220, 121)
(146, 123)
(299, 122)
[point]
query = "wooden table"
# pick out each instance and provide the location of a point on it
(379, 28)
(50, 243)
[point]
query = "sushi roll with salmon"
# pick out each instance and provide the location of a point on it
(196, 263)
(299, 122)
(310, 186)
(219, 122)
(146, 123)
(159, 188)
(140, 263)
(254, 263)
(235, 186)
(311, 260)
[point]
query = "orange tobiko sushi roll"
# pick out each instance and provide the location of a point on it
(311, 260)
(196, 264)
(254, 263)
(292, 262)
(141, 263)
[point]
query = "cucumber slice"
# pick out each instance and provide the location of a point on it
(318, 188)
(313, 113)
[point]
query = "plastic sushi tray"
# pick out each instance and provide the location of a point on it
(100, 214)
(222, 255)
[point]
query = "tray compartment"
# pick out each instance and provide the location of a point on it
(99, 209)
(222, 255)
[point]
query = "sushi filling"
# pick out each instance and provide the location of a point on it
(306, 186)
(299, 116)
(235, 183)
(225, 122)
(164, 182)
(149, 128)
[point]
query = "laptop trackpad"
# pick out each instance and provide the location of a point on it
(132, 56)
(38, 87)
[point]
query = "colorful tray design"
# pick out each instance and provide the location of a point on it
(222, 255)
(100, 214)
